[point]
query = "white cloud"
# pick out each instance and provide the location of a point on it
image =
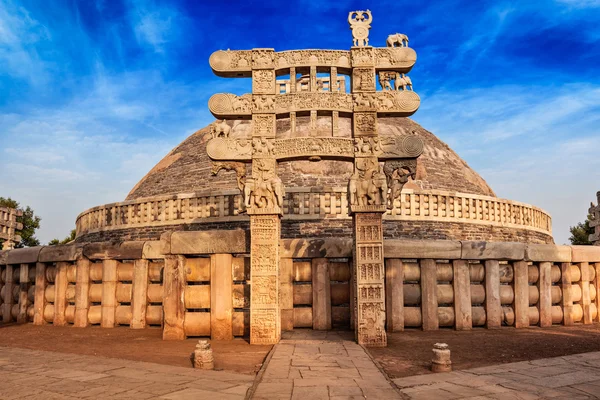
(154, 25)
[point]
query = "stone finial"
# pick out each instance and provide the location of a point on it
(360, 23)
(441, 358)
(203, 356)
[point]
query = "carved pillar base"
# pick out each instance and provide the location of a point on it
(265, 314)
(369, 275)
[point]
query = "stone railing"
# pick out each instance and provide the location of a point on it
(313, 204)
(187, 282)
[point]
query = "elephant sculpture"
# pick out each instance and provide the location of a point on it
(220, 128)
(402, 81)
(264, 193)
(399, 39)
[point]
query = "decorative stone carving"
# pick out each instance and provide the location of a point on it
(397, 57)
(363, 79)
(263, 81)
(368, 185)
(225, 61)
(397, 40)
(365, 123)
(360, 23)
(262, 147)
(401, 146)
(218, 129)
(398, 172)
(238, 167)
(203, 356)
(229, 149)
(227, 104)
(262, 58)
(263, 125)
(263, 103)
(265, 189)
(363, 56)
(401, 81)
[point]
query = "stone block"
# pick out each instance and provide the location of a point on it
(547, 252)
(492, 250)
(221, 299)
(585, 253)
(118, 251)
(3, 256)
(24, 256)
(153, 249)
(433, 249)
(210, 242)
(316, 248)
(67, 252)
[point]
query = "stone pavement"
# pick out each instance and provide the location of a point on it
(313, 365)
(570, 377)
(34, 374)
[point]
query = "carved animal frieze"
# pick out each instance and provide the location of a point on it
(220, 128)
(395, 57)
(222, 149)
(368, 185)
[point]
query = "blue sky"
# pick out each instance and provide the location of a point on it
(94, 93)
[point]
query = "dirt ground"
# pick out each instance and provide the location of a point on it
(409, 352)
(132, 344)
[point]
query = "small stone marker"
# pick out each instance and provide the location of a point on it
(203, 356)
(441, 358)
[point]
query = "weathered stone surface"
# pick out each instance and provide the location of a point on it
(548, 252)
(434, 249)
(493, 307)
(429, 302)
(210, 242)
(173, 298)
(119, 251)
(463, 319)
(492, 250)
(67, 252)
(221, 299)
(315, 248)
(394, 294)
(521, 294)
(585, 253)
(23, 256)
(3, 256)
(154, 249)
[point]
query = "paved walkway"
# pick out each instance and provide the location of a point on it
(570, 377)
(32, 374)
(312, 365)
(306, 365)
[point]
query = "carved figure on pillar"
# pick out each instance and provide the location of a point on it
(398, 173)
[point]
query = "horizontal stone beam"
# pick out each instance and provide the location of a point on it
(585, 253)
(210, 242)
(435, 249)
(315, 248)
(547, 252)
(492, 250)
(113, 251)
(67, 252)
(24, 256)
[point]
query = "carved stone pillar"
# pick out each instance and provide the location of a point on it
(313, 79)
(265, 314)
(264, 89)
(369, 277)
(293, 122)
(335, 123)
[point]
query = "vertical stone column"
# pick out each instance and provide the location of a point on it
(429, 301)
(521, 291)
(313, 79)
(173, 298)
(335, 123)
(567, 293)
(462, 296)
(394, 293)
(493, 307)
(23, 292)
(221, 297)
(265, 313)
(60, 293)
(321, 294)
(286, 293)
(109, 293)
(584, 284)
(545, 290)
(597, 287)
(293, 122)
(8, 295)
(293, 80)
(264, 89)
(333, 85)
(82, 293)
(139, 295)
(369, 274)
(39, 303)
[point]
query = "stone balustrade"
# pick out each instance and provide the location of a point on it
(313, 204)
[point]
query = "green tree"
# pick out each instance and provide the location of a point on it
(66, 240)
(580, 233)
(30, 222)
